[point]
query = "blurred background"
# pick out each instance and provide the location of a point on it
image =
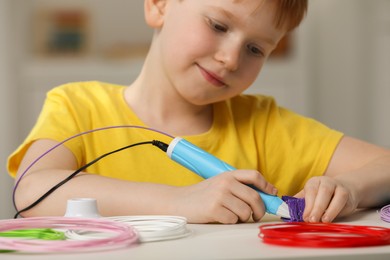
(334, 68)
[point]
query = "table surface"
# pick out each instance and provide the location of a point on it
(239, 241)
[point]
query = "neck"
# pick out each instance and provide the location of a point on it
(158, 105)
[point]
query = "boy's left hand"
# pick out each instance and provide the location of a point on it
(326, 198)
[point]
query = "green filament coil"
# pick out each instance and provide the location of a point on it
(33, 233)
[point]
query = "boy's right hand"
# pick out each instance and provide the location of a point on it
(225, 198)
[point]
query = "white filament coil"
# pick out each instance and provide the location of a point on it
(149, 228)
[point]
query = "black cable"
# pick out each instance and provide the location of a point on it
(161, 145)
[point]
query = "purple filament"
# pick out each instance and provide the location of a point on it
(296, 206)
(385, 213)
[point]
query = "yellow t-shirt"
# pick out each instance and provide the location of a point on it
(248, 132)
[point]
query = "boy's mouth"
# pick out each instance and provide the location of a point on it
(211, 77)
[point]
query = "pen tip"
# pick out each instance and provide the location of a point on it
(283, 211)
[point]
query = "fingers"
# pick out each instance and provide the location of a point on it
(254, 178)
(300, 194)
(241, 209)
(233, 202)
(224, 215)
(246, 201)
(226, 198)
(337, 204)
(324, 198)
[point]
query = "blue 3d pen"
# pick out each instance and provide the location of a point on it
(207, 166)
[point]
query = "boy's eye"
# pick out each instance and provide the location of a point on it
(217, 26)
(255, 50)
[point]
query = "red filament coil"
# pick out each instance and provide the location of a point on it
(324, 235)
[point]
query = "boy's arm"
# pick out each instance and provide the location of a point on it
(358, 176)
(225, 198)
(115, 197)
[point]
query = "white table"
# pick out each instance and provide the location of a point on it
(239, 241)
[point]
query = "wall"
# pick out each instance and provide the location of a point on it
(336, 52)
(378, 89)
(349, 61)
(7, 111)
(119, 21)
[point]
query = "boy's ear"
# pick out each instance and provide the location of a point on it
(154, 12)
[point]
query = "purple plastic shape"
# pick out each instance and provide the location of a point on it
(296, 206)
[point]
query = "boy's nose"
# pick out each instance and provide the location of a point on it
(229, 55)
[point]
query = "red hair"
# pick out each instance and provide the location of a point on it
(290, 13)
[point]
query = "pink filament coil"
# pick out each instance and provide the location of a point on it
(121, 235)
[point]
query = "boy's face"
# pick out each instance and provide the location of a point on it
(214, 50)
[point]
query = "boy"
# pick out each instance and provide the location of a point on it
(204, 54)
